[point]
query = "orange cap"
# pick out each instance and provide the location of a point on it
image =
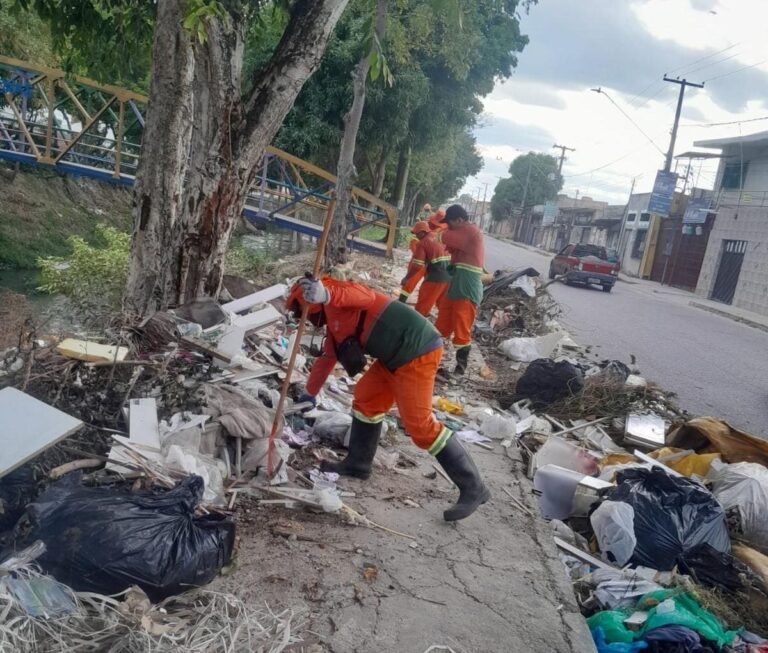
(420, 227)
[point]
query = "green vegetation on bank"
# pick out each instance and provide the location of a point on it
(40, 210)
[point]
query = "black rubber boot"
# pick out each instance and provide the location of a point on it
(462, 360)
(462, 471)
(363, 441)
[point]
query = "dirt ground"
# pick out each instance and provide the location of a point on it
(490, 583)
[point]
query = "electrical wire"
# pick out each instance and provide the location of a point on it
(721, 124)
(628, 117)
(738, 70)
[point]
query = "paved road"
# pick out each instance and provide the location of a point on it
(717, 366)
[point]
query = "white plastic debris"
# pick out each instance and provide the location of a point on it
(527, 350)
(614, 526)
(203, 466)
(498, 427)
(635, 381)
(526, 284)
(744, 487)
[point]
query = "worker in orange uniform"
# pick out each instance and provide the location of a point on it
(458, 308)
(429, 261)
(407, 349)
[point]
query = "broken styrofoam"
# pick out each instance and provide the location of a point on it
(635, 381)
(30, 427)
(498, 427)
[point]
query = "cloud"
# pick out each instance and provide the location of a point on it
(533, 93)
(497, 131)
(570, 48)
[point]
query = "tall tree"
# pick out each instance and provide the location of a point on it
(533, 179)
(373, 63)
(203, 135)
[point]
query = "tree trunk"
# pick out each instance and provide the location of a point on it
(336, 248)
(401, 179)
(380, 171)
(202, 143)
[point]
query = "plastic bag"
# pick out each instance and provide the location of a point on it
(332, 426)
(744, 487)
(499, 427)
(672, 516)
(617, 647)
(611, 622)
(687, 612)
(614, 526)
(546, 381)
(685, 461)
(527, 350)
(101, 540)
(714, 569)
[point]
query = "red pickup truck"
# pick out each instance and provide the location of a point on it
(585, 264)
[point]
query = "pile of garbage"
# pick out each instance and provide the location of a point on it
(514, 304)
(663, 533)
(127, 461)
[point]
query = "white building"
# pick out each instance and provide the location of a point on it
(735, 267)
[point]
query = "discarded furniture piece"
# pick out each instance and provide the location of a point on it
(28, 427)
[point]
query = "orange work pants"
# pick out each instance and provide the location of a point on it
(455, 317)
(410, 387)
(430, 294)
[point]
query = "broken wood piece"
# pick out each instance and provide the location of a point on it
(258, 297)
(66, 468)
(83, 350)
(30, 426)
(482, 445)
(571, 429)
(519, 503)
(581, 555)
(232, 500)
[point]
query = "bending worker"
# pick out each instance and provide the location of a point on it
(429, 261)
(457, 310)
(407, 349)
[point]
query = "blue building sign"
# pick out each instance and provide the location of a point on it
(662, 194)
(696, 211)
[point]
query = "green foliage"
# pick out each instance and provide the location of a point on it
(543, 184)
(24, 35)
(200, 11)
(245, 261)
(92, 276)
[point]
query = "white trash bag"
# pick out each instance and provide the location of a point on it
(614, 526)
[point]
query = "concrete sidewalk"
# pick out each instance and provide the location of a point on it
(754, 320)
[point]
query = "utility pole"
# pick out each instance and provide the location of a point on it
(485, 195)
(683, 83)
(622, 248)
(562, 149)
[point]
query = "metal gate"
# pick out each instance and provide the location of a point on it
(730, 268)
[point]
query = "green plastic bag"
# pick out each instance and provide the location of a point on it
(612, 623)
(687, 613)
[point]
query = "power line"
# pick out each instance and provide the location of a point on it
(738, 70)
(628, 117)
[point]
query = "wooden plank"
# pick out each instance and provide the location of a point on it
(84, 350)
(581, 555)
(260, 296)
(28, 427)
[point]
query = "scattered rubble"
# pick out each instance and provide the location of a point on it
(658, 518)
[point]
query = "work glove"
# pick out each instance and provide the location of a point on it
(314, 291)
(307, 397)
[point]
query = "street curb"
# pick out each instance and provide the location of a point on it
(730, 316)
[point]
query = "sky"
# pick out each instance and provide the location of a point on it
(625, 47)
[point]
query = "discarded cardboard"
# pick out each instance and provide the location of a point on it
(711, 435)
(264, 295)
(91, 352)
(29, 427)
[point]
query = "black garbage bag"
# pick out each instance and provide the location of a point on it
(546, 381)
(17, 490)
(713, 568)
(672, 516)
(103, 540)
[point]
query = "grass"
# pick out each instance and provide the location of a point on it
(40, 211)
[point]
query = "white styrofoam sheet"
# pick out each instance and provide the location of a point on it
(28, 427)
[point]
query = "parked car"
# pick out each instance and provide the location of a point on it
(585, 264)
